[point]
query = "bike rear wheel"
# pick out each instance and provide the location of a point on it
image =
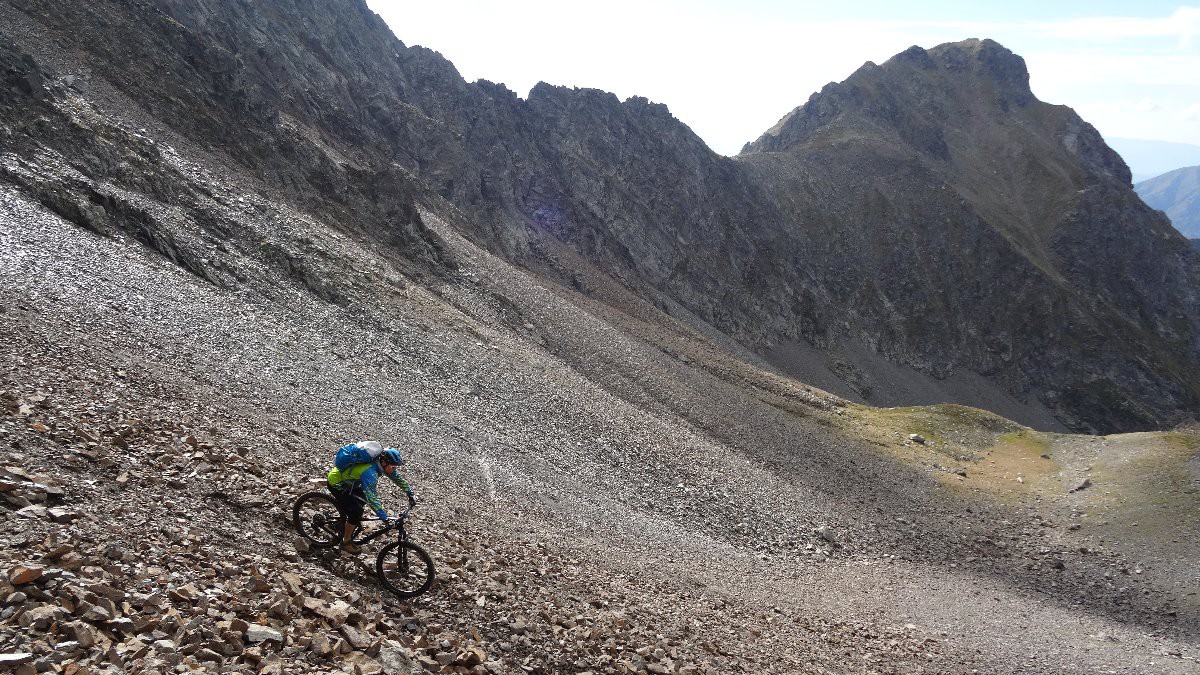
(318, 519)
(405, 569)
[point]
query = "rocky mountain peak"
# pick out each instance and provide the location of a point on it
(944, 84)
(986, 59)
(949, 103)
(935, 144)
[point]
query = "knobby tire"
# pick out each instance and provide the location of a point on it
(419, 575)
(318, 519)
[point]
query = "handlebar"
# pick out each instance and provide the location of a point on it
(394, 519)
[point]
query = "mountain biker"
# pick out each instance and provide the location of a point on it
(354, 487)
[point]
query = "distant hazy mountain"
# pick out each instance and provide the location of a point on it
(1147, 159)
(1178, 194)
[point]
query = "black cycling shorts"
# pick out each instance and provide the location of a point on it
(350, 499)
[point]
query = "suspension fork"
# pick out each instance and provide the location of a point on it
(402, 561)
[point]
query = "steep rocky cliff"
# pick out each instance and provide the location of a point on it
(926, 230)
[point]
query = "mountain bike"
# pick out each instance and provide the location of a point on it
(403, 567)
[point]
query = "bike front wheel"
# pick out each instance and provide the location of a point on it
(405, 569)
(318, 519)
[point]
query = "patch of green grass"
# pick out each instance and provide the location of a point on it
(1027, 440)
(1183, 440)
(944, 422)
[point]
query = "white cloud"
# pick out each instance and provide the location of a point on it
(1175, 121)
(1107, 70)
(1146, 105)
(1183, 24)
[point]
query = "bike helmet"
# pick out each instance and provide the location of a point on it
(391, 456)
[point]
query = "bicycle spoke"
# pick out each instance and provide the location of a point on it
(317, 518)
(405, 569)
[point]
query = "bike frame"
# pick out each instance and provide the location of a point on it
(402, 535)
(397, 524)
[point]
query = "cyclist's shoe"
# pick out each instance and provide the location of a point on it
(353, 549)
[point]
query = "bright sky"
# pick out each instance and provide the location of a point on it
(730, 69)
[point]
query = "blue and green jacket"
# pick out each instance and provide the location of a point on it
(367, 476)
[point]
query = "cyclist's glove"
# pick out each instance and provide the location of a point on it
(381, 514)
(412, 499)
